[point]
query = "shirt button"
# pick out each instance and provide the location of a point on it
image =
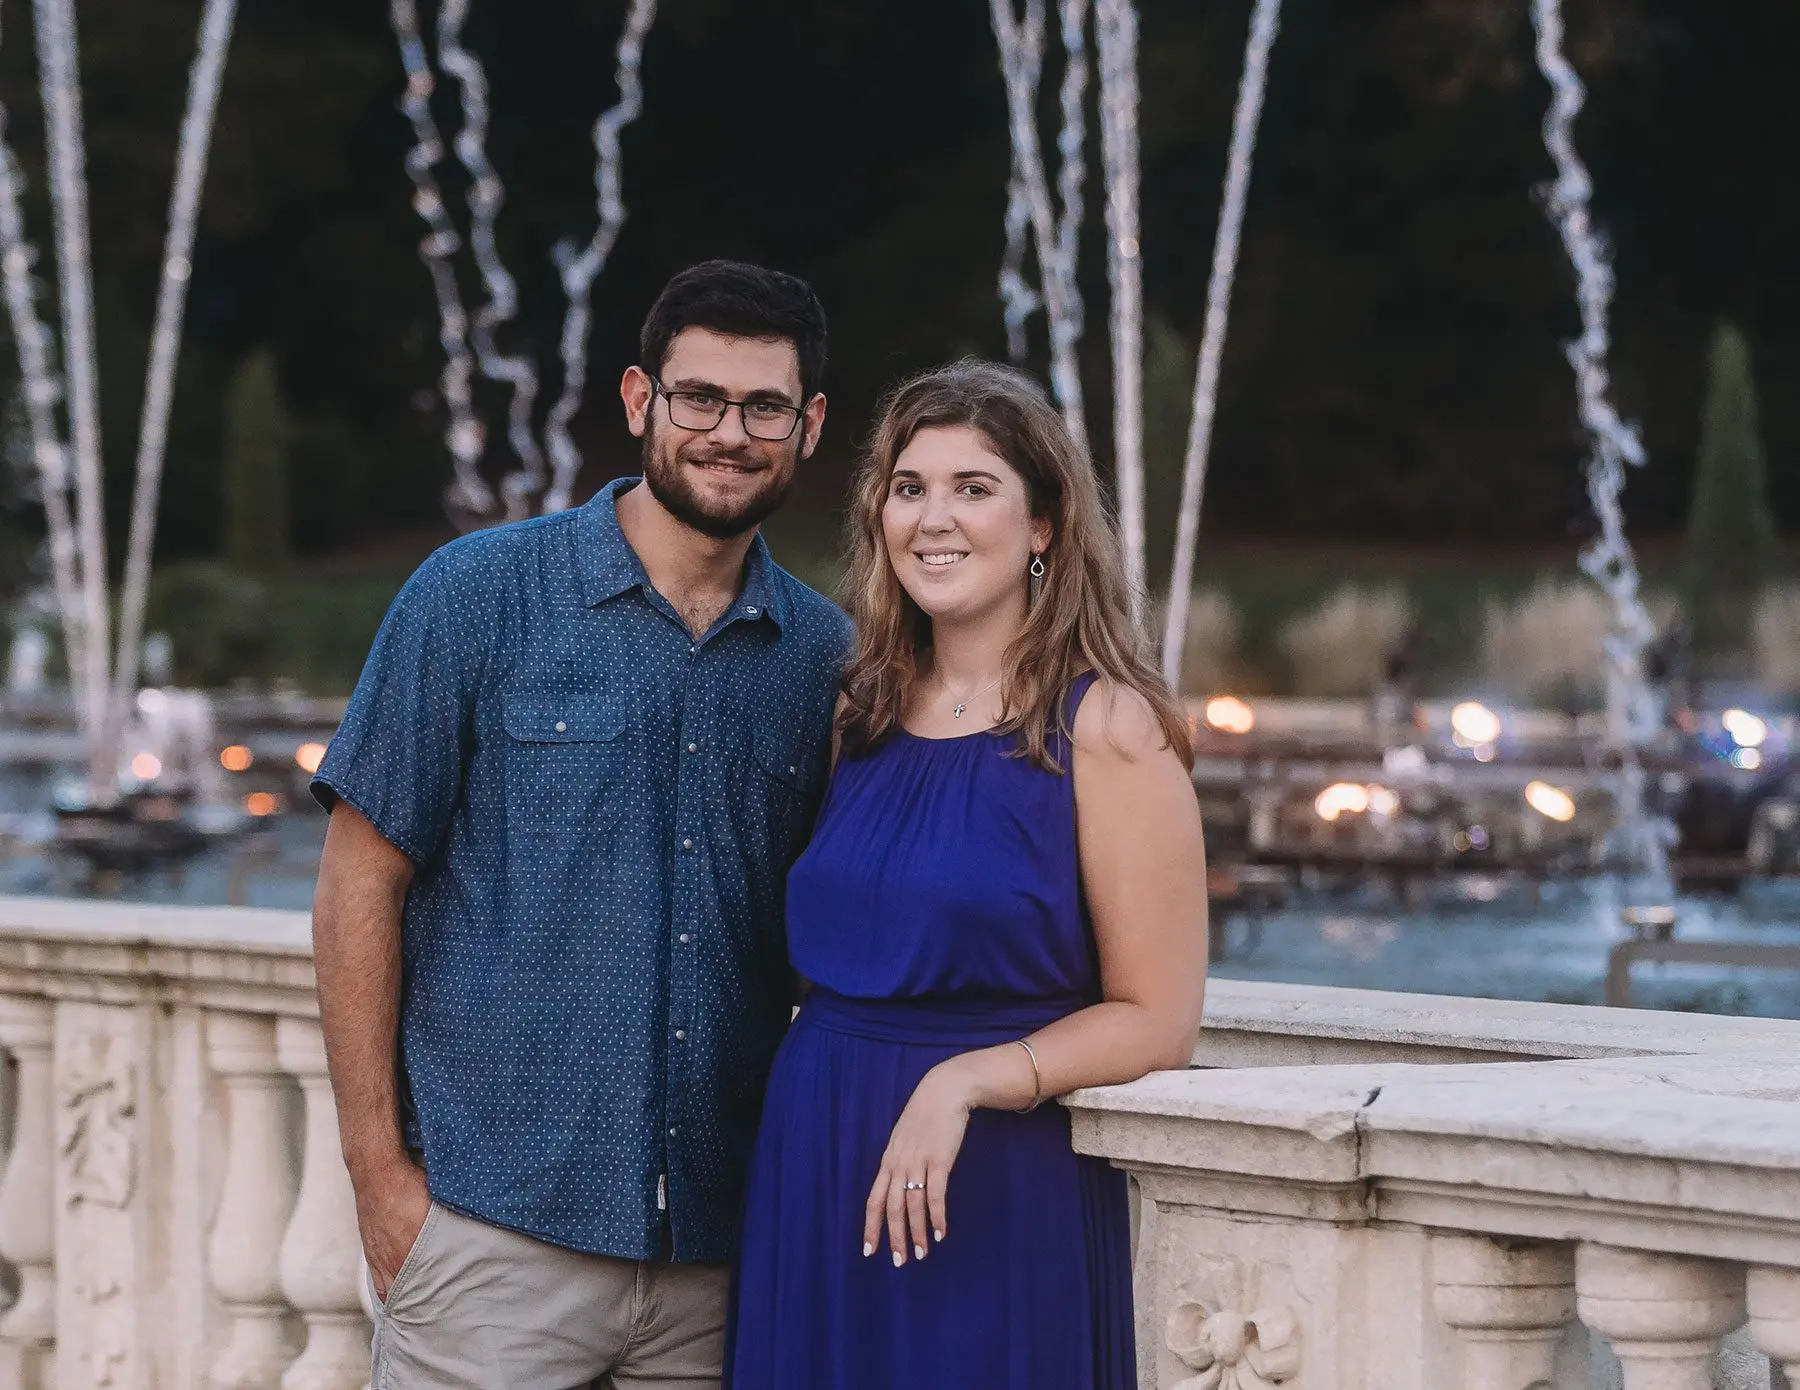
(751, 610)
(681, 1035)
(687, 844)
(561, 727)
(671, 1131)
(685, 938)
(693, 748)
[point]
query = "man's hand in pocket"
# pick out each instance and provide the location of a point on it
(392, 1202)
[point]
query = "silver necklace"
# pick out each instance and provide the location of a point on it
(963, 704)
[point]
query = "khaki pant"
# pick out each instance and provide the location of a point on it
(475, 1307)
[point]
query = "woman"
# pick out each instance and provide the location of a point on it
(1004, 900)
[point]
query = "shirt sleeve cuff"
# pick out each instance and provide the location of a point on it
(328, 790)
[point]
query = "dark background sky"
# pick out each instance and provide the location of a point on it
(1394, 370)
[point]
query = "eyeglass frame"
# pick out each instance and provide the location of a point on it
(726, 403)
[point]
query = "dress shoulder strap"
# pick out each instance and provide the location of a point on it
(1062, 742)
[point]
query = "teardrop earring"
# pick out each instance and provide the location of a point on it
(1034, 584)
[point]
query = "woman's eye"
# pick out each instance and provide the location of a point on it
(975, 489)
(906, 489)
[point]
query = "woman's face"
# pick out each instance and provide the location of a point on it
(958, 525)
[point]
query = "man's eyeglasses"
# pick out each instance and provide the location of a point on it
(702, 410)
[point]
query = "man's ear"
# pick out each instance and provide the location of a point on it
(638, 395)
(812, 424)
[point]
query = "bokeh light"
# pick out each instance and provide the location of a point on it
(1230, 715)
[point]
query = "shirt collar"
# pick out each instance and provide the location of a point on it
(609, 566)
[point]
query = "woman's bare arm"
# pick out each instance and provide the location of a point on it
(1143, 869)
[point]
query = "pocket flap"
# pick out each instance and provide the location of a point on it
(785, 758)
(569, 719)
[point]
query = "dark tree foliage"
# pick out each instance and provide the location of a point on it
(1394, 370)
(258, 440)
(1730, 533)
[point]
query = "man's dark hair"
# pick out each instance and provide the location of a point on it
(740, 301)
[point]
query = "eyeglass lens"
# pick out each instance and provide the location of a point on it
(762, 419)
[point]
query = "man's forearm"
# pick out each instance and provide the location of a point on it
(357, 911)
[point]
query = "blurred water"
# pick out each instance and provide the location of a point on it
(274, 868)
(1476, 936)
(1514, 947)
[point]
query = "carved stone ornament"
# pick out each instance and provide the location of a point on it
(1223, 1328)
(97, 1086)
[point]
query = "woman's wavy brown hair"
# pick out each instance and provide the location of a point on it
(1081, 620)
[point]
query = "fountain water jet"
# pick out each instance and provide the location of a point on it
(472, 342)
(1030, 205)
(102, 685)
(579, 269)
(1244, 123)
(1640, 840)
(1116, 38)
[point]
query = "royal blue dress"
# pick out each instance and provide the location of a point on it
(938, 909)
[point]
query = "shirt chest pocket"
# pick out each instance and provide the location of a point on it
(565, 761)
(778, 790)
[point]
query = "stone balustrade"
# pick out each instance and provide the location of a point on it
(1351, 1191)
(1545, 1198)
(174, 1204)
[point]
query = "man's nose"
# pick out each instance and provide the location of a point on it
(730, 429)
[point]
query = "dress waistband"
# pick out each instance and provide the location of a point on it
(951, 1022)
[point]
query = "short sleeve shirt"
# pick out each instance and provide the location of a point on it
(602, 810)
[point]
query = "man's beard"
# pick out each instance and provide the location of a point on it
(667, 478)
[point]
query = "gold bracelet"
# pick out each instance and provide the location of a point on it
(1037, 1079)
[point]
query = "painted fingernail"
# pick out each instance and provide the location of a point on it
(868, 1249)
(937, 1235)
(899, 1259)
(918, 1252)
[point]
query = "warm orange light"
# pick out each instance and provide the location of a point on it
(146, 767)
(236, 758)
(261, 804)
(1230, 715)
(1474, 723)
(1551, 802)
(1340, 797)
(309, 756)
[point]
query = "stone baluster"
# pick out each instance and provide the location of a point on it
(1663, 1314)
(1774, 1307)
(321, 1256)
(254, 1205)
(1508, 1305)
(27, 1207)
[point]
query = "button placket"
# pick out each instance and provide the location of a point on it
(690, 812)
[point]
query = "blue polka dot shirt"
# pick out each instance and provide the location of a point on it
(602, 811)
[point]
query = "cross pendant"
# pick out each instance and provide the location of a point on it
(957, 712)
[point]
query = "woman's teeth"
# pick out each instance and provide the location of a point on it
(939, 561)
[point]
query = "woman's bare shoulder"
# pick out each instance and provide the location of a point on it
(1115, 722)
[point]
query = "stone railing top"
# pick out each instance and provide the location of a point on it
(263, 931)
(1696, 1154)
(1712, 1109)
(1327, 1024)
(242, 958)
(1248, 1023)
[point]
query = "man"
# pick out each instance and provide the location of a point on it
(548, 927)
